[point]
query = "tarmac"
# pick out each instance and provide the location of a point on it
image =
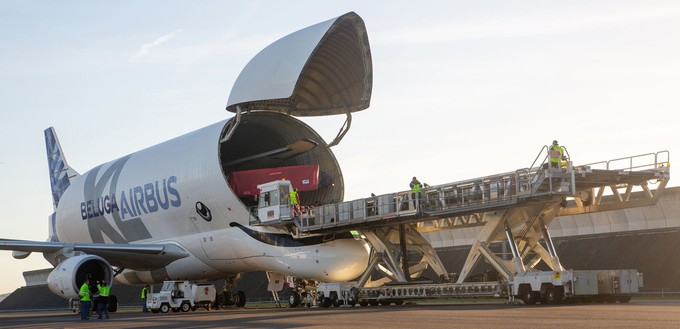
(636, 314)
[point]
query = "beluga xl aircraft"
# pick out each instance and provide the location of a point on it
(187, 208)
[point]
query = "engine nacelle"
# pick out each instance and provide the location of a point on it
(67, 277)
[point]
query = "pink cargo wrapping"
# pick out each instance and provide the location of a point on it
(304, 178)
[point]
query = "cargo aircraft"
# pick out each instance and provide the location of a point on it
(184, 209)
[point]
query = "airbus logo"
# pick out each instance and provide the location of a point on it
(136, 201)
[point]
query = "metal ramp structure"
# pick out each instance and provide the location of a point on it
(516, 207)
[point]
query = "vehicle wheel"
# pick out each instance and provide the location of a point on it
(155, 311)
(165, 308)
(363, 303)
(384, 302)
(185, 307)
(294, 299)
(113, 304)
(222, 300)
(373, 302)
(326, 302)
(175, 309)
(528, 297)
(399, 302)
(336, 302)
(240, 299)
(624, 299)
(553, 295)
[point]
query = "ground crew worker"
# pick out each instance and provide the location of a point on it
(103, 304)
(556, 152)
(85, 300)
(415, 190)
(145, 291)
(294, 201)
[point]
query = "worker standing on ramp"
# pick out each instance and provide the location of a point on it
(556, 153)
(415, 190)
(295, 202)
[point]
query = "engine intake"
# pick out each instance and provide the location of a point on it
(67, 277)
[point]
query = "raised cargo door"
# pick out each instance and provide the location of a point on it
(320, 70)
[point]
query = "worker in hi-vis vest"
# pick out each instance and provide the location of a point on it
(415, 190)
(294, 201)
(556, 153)
(85, 300)
(145, 292)
(103, 303)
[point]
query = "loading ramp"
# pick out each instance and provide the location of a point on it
(514, 207)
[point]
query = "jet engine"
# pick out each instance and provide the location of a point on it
(67, 277)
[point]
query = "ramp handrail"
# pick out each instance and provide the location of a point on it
(609, 164)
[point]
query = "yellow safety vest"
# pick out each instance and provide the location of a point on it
(103, 290)
(84, 293)
(555, 153)
(415, 188)
(144, 292)
(293, 197)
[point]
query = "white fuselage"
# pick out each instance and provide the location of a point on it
(154, 196)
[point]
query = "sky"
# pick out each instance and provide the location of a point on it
(461, 89)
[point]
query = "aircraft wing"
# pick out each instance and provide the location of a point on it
(131, 256)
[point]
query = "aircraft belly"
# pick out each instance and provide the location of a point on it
(335, 260)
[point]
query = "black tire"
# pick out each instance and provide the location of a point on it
(528, 297)
(113, 304)
(326, 302)
(155, 311)
(384, 302)
(554, 295)
(175, 309)
(399, 302)
(373, 302)
(185, 307)
(222, 300)
(240, 299)
(363, 303)
(336, 302)
(294, 299)
(165, 308)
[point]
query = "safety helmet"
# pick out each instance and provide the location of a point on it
(555, 142)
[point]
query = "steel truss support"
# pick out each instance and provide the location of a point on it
(522, 227)
(390, 249)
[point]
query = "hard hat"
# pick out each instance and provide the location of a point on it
(555, 142)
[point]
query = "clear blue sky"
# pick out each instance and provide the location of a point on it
(461, 88)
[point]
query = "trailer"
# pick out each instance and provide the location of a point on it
(545, 287)
(181, 296)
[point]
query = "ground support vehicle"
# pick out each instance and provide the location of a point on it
(181, 296)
